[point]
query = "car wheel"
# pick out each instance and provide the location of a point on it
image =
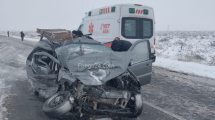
(59, 104)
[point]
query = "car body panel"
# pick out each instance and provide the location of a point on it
(141, 64)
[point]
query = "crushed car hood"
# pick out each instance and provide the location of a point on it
(92, 66)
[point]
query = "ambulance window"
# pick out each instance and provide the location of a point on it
(130, 28)
(137, 28)
(147, 28)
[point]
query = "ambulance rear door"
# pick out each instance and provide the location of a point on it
(137, 22)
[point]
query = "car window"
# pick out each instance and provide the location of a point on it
(140, 52)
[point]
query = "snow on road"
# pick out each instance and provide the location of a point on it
(188, 96)
(2, 97)
(186, 67)
(12, 66)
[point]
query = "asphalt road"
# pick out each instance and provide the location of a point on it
(170, 96)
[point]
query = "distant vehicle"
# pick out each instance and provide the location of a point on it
(91, 79)
(129, 22)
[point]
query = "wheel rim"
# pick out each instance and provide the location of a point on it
(57, 100)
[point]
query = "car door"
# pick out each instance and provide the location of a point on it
(141, 65)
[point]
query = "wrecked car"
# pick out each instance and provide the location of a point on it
(83, 78)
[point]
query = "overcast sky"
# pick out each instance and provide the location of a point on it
(169, 14)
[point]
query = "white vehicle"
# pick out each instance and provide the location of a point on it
(129, 22)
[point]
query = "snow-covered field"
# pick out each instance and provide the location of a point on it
(187, 46)
(187, 52)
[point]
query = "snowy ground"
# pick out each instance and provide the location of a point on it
(186, 67)
(29, 35)
(187, 52)
(187, 46)
(2, 97)
(12, 65)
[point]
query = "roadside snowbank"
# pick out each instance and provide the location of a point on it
(186, 67)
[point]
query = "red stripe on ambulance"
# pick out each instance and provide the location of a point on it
(139, 11)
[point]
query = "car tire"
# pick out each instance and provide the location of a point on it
(58, 104)
(138, 103)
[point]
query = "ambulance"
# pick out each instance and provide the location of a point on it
(129, 22)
